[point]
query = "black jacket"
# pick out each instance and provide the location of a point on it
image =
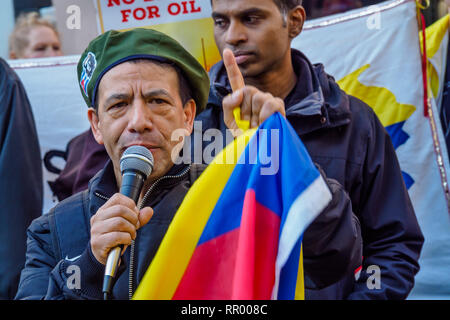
(58, 242)
(346, 140)
(21, 188)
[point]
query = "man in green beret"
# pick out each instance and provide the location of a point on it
(140, 86)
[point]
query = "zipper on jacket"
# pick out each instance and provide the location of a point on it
(140, 206)
(101, 196)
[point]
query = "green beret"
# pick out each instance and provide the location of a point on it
(113, 48)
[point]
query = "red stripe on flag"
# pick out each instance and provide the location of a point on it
(257, 251)
(239, 264)
(210, 272)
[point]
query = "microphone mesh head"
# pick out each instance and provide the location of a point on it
(137, 158)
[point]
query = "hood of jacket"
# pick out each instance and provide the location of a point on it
(316, 100)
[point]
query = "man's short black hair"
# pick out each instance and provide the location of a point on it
(286, 5)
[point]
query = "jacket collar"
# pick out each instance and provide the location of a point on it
(104, 185)
(316, 100)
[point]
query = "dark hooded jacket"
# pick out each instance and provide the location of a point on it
(21, 186)
(352, 149)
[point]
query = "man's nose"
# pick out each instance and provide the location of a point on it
(140, 118)
(236, 33)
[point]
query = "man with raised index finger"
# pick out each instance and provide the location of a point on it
(262, 74)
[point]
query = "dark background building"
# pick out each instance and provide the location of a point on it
(320, 8)
(30, 5)
(314, 8)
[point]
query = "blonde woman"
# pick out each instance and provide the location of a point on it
(34, 37)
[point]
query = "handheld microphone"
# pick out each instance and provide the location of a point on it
(136, 164)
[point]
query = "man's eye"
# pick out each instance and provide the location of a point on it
(157, 101)
(118, 105)
(219, 22)
(251, 19)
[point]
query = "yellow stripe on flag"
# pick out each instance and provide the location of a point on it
(300, 287)
(172, 258)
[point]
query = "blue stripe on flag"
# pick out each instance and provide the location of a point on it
(288, 277)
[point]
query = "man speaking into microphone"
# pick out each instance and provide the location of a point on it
(140, 86)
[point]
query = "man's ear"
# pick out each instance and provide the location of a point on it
(95, 125)
(296, 20)
(189, 110)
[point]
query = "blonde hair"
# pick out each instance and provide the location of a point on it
(18, 40)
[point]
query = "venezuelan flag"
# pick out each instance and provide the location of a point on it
(237, 234)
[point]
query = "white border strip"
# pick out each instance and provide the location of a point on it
(308, 205)
(44, 62)
(323, 22)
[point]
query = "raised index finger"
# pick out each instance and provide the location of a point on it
(234, 74)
